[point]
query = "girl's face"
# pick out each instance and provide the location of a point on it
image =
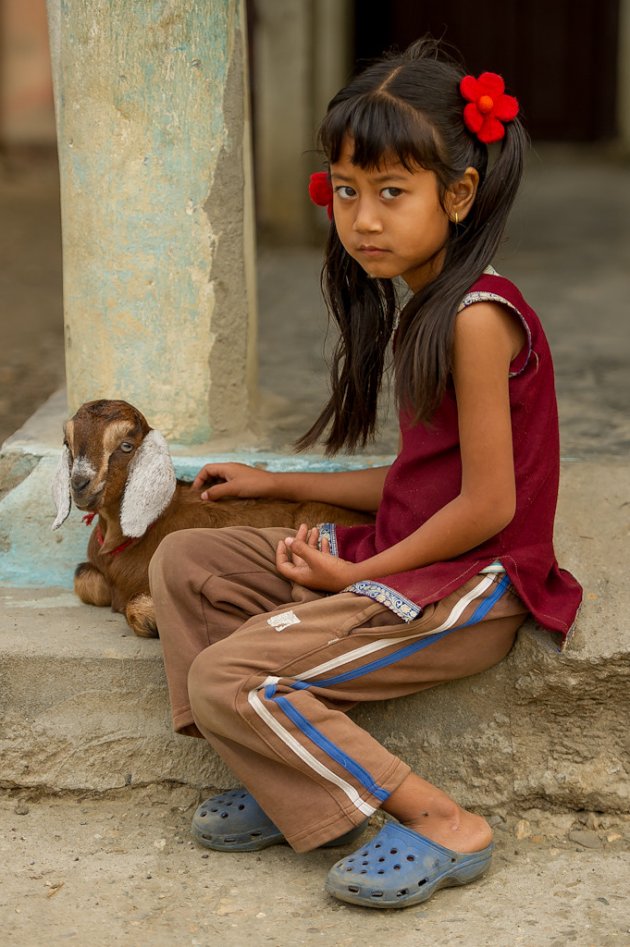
(390, 220)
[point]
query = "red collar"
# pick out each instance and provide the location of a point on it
(87, 519)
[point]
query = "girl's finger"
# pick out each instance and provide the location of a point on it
(218, 490)
(201, 477)
(301, 548)
(282, 553)
(285, 566)
(303, 554)
(210, 472)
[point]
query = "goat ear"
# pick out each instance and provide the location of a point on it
(150, 486)
(61, 488)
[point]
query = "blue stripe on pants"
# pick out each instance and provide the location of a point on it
(319, 739)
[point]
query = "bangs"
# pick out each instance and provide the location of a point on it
(383, 129)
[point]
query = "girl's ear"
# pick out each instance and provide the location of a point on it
(460, 196)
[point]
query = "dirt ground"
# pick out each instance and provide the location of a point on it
(122, 869)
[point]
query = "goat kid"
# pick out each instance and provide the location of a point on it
(115, 466)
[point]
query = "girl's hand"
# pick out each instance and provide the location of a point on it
(299, 559)
(239, 481)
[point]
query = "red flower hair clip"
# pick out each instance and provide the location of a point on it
(488, 106)
(321, 192)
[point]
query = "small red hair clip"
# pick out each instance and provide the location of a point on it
(488, 106)
(321, 192)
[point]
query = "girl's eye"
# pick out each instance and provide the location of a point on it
(126, 447)
(345, 191)
(389, 193)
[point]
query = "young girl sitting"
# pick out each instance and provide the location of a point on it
(270, 637)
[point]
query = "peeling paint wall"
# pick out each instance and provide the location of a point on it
(151, 121)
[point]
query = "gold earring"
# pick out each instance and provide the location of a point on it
(456, 219)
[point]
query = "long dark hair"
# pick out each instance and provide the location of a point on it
(407, 107)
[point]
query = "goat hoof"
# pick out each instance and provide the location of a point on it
(140, 616)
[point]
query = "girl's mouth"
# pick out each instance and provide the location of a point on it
(369, 250)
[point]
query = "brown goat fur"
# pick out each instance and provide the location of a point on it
(104, 442)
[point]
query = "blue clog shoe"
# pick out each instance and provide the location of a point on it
(234, 822)
(398, 868)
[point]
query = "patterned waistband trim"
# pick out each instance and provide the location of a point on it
(397, 603)
(328, 531)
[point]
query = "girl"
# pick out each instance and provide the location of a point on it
(270, 638)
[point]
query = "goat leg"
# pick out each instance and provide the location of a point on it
(140, 615)
(91, 586)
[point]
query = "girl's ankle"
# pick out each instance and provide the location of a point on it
(460, 830)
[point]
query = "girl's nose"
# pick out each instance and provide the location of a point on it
(367, 219)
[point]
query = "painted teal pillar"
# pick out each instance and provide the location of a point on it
(153, 137)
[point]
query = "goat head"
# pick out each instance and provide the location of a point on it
(112, 458)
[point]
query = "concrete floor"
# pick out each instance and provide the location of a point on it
(31, 312)
(568, 249)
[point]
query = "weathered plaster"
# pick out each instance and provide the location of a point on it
(232, 359)
(143, 128)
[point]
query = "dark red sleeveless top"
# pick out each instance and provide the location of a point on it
(427, 475)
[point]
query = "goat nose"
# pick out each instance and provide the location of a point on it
(79, 482)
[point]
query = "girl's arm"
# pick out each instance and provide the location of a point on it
(356, 489)
(486, 340)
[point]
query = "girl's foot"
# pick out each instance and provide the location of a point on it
(234, 822)
(399, 868)
(459, 830)
(424, 809)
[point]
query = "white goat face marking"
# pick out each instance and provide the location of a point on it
(112, 437)
(114, 434)
(83, 467)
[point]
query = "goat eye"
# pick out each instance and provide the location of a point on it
(126, 447)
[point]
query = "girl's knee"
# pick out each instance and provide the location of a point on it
(216, 681)
(200, 676)
(170, 563)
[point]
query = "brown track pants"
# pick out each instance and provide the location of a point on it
(266, 669)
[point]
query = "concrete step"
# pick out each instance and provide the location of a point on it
(84, 706)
